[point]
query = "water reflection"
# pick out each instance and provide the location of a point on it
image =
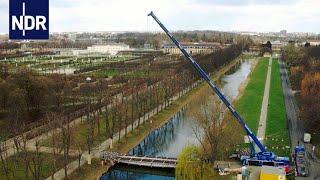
(131, 173)
(232, 82)
(168, 140)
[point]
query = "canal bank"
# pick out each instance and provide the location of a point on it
(135, 137)
(170, 139)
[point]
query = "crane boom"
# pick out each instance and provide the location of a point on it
(211, 84)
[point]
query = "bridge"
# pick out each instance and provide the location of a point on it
(157, 162)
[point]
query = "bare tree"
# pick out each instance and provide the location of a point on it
(79, 153)
(36, 162)
(4, 162)
(90, 132)
(66, 139)
(125, 117)
(208, 126)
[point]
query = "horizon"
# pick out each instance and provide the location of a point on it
(185, 15)
(181, 30)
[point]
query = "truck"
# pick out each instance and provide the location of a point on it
(300, 163)
(306, 137)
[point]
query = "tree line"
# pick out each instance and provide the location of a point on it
(304, 64)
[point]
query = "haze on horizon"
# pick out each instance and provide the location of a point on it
(231, 15)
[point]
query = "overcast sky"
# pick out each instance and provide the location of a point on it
(227, 15)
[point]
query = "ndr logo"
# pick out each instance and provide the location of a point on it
(29, 19)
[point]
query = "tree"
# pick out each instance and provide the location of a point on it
(310, 104)
(192, 166)
(4, 161)
(53, 119)
(269, 45)
(66, 142)
(36, 162)
(307, 44)
(4, 95)
(17, 109)
(208, 127)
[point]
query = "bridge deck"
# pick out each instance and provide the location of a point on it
(160, 162)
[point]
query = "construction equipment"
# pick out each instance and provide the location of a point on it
(300, 161)
(263, 157)
(306, 137)
(272, 173)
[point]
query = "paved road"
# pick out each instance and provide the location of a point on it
(295, 125)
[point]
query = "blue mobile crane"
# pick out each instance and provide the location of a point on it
(261, 158)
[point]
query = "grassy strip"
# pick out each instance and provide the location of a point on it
(277, 136)
(249, 104)
(16, 165)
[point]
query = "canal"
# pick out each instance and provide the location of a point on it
(173, 136)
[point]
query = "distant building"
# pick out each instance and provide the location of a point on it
(314, 43)
(111, 48)
(140, 52)
(283, 32)
(192, 48)
(277, 45)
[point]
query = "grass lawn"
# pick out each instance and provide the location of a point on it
(106, 73)
(249, 104)
(16, 166)
(276, 130)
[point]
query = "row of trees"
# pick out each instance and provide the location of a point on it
(106, 105)
(157, 39)
(304, 64)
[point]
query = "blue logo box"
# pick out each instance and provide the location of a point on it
(29, 19)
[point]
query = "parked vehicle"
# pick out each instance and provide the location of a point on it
(307, 137)
(300, 161)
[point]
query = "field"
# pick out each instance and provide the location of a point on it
(249, 104)
(277, 129)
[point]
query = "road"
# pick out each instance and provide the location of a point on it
(296, 129)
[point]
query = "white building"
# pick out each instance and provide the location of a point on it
(192, 48)
(112, 48)
(314, 43)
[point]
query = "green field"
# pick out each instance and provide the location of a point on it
(249, 104)
(276, 130)
(106, 73)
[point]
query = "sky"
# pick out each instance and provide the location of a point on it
(223, 15)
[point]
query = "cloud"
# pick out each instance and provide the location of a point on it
(122, 15)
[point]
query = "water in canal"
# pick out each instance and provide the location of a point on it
(171, 138)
